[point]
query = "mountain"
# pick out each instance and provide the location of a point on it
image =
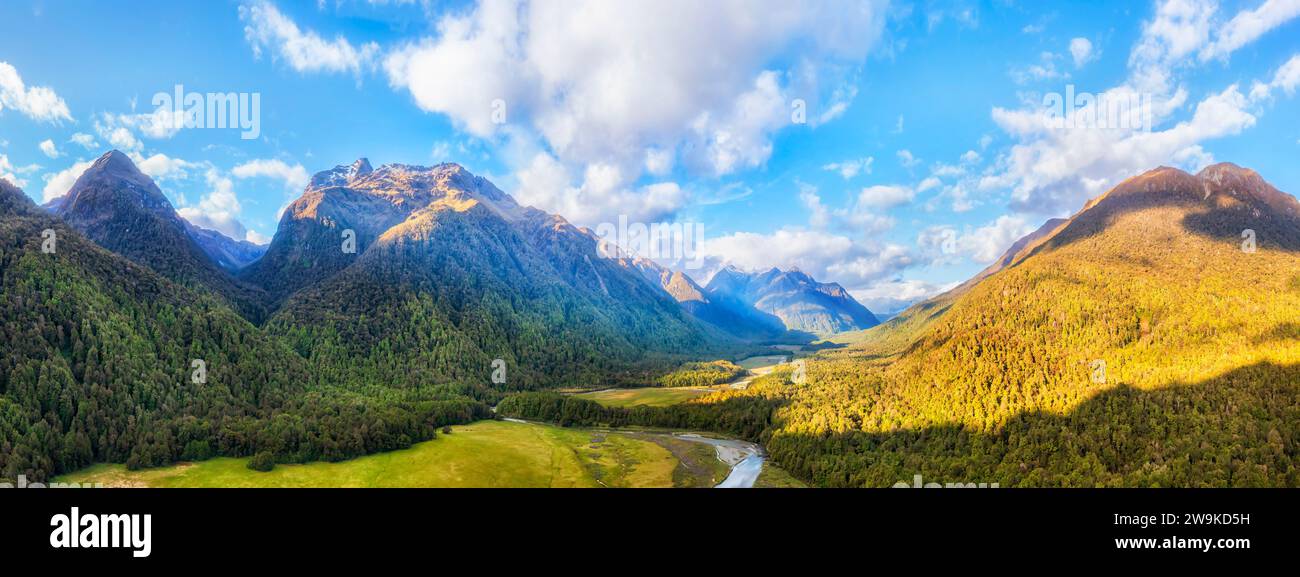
(1144, 341)
(98, 365)
(729, 315)
(449, 274)
(226, 252)
(122, 210)
(796, 299)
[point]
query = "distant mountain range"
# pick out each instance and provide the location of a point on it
(796, 299)
(226, 252)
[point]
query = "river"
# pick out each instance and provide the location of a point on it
(745, 459)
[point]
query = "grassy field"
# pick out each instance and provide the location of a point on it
(482, 454)
(645, 396)
(774, 477)
(752, 363)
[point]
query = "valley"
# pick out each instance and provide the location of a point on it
(1135, 343)
(493, 454)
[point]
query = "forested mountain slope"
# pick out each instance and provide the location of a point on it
(122, 210)
(98, 365)
(449, 274)
(1140, 343)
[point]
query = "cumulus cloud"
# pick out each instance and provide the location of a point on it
(1044, 69)
(294, 176)
(39, 103)
(851, 168)
(1249, 25)
(603, 194)
(1052, 169)
(48, 149)
(117, 135)
(218, 209)
(1178, 29)
(257, 237)
(161, 167)
(84, 140)
(624, 85)
(906, 159)
(824, 255)
(888, 297)
(59, 183)
(1287, 76)
(159, 124)
(11, 173)
(267, 29)
(818, 215)
(884, 197)
(1081, 51)
(982, 245)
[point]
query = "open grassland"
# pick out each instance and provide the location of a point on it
(482, 454)
(644, 397)
(752, 363)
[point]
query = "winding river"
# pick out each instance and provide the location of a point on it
(745, 459)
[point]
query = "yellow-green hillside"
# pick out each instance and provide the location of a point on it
(1003, 381)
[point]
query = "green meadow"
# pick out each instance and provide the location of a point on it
(644, 397)
(481, 454)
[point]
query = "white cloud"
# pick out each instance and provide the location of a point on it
(294, 176)
(943, 244)
(219, 209)
(1287, 76)
(658, 161)
(603, 195)
(892, 295)
(1052, 170)
(8, 172)
(1249, 25)
(159, 124)
(1178, 29)
(929, 183)
(162, 167)
(906, 159)
(257, 237)
(84, 140)
(117, 136)
(1045, 69)
(47, 147)
(825, 256)
(59, 183)
(627, 84)
(818, 215)
(1081, 51)
(851, 168)
(884, 197)
(266, 28)
(39, 103)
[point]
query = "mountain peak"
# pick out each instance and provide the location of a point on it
(342, 174)
(117, 164)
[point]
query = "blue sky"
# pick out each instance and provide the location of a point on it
(920, 155)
